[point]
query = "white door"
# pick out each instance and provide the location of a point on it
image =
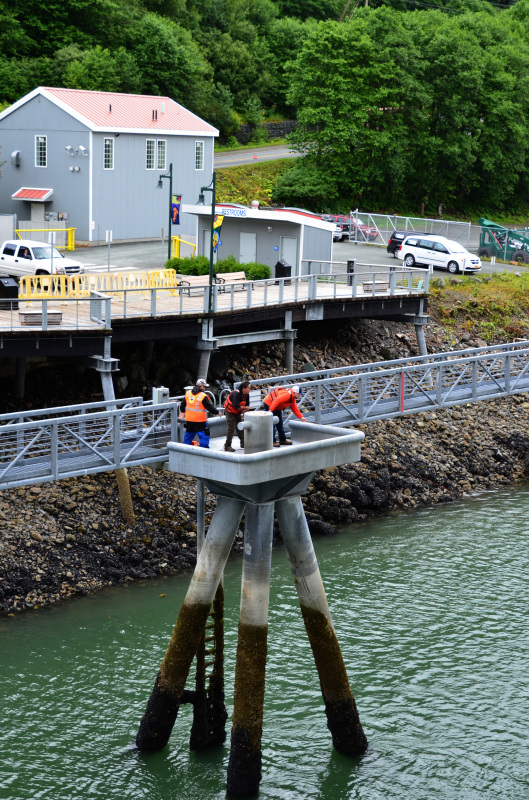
(289, 252)
(247, 247)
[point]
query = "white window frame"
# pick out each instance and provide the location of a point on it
(199, 156)
(109, 139)
(152, 154)
(161, 147)
(41, 139)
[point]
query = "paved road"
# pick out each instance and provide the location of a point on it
(151, 255)
(236, 158)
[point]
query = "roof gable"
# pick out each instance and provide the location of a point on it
(115, 112)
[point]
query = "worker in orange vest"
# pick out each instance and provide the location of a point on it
(194, 409)
(276, 401)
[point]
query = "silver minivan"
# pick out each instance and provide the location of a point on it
(438, 251)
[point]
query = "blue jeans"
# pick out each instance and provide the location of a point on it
(203, 437)
(278, 429)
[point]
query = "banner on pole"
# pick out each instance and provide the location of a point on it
(217, 225)
(176, 199)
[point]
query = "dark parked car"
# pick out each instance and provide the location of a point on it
(395, 241)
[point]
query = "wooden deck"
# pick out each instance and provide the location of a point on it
(135, 304)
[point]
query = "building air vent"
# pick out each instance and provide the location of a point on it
(15, 158)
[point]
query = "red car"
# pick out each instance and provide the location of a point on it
(365, 232)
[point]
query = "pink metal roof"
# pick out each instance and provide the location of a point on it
(109, 110)
(32, 194)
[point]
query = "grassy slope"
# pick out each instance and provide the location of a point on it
(250, 182)
(494, 308)
(256, 181)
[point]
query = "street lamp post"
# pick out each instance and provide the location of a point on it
(159, 185)
(210, 188)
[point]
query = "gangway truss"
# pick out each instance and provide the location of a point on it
(70, 441)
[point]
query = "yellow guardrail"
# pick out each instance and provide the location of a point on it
(112, 283)
(70, 235)
(175, 246)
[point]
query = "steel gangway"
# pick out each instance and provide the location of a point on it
(69, 441)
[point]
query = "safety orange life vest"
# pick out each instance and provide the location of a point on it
(279, 398)
(230, 408)
(195, 411)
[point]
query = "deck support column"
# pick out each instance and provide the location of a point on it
(20, 377)
(289, 335)
(244, 768)
(421, 340)
(162, 708)
(343, 720)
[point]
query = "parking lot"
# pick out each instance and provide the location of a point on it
(150, 255)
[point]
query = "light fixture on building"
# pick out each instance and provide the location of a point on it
(82, 150)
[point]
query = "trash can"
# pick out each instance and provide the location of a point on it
(283, 270)
(8, 291)
(350, 269)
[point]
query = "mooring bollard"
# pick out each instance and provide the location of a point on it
(260, 480)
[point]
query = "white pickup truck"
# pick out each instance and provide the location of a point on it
(25, 257)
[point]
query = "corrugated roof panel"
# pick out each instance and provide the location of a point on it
(133, 111)
(26, 193)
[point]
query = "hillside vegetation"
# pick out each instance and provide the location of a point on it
(401, 104)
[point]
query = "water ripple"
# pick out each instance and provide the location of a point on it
(430, 612)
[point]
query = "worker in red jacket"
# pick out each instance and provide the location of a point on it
(235, 406)
(276, 401)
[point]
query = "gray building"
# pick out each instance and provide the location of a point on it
(92, 161)
(301, 239)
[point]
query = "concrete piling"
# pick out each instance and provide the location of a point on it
(162, 708)
(244, 768)
(343, 720)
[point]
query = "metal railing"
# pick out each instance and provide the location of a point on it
(73, 314)
(176, 241)
(69, 235)
(50, 444)
(138, 298)
(65, 446)
(369, 392)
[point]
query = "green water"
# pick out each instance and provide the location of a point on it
(430, 609)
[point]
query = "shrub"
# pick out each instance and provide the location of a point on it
(200, 266)
(189, 266)
(254, 271)
(228, 264)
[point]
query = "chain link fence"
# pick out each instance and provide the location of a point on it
(364, 224)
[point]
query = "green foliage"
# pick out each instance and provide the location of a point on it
(200, 266)
(495, 306)
(250, 182)
(255, 271)
(423, 108)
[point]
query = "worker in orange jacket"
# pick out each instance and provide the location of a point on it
(194, 408)
(276, 401)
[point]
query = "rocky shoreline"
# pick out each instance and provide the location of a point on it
(68, 538)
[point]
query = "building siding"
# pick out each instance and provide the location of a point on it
(124, 200)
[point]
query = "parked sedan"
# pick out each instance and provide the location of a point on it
(441, 253)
